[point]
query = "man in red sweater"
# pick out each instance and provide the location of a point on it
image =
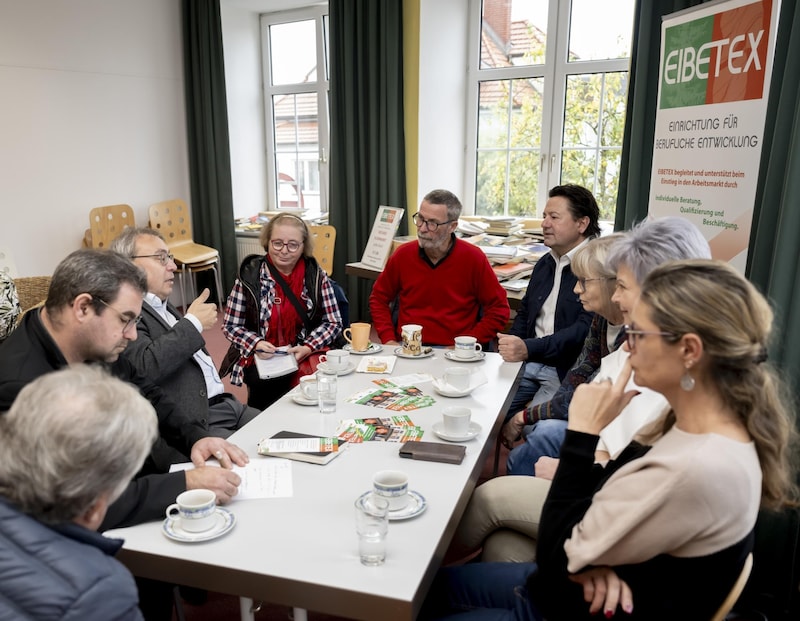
(442, 283)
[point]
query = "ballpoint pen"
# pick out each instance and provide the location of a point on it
(277, 352)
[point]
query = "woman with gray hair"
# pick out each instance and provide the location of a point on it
(495, 520)
(72, 441)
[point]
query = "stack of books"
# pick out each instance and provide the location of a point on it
(502, 225)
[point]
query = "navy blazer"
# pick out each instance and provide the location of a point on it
(561, 349)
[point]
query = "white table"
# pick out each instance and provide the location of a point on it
(302, 551)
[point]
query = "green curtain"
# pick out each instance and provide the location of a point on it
(207, 133)
(367, 163)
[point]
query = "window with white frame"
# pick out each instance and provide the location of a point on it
(295, 62)
(549, 83)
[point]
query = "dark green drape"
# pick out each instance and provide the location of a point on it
(207, 133)
(772, 258)
(367, 163)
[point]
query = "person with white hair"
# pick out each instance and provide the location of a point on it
(72, 441)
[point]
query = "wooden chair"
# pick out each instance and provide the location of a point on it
(324, 237)
(736, 591)
(173, 220)
(31, 292)
(105, 223)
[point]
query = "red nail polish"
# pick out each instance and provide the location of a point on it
(609, 614)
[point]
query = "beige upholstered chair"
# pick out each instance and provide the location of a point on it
(173, 220)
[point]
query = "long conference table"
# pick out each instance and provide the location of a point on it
(301, 551)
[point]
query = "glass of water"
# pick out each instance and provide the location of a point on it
(327, 381)
(372, 525)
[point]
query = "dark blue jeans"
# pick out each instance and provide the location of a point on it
(481, 592)
(544, 440)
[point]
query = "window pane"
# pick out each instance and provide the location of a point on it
(513, 33)
(597, 170)
(510, 125)
(297, 149)
(523, 183)
(296, 41)
(600, 30)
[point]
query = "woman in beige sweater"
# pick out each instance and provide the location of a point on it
(662, 531)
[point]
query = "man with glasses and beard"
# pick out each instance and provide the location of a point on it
(442, 283)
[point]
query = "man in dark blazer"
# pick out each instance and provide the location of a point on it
(90, 316)
(170, 350)
(551, 325)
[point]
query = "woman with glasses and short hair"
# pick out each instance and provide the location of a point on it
(661, 532)
(281, 299)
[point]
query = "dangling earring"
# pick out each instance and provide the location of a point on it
(687, 381)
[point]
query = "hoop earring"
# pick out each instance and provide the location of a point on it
(687, 382)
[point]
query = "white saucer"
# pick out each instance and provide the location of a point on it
(300, 399)
(448, 391)
(474, 430)
(416, 505)
(351, 366)
(373, 348)
(426, 352)
(225, 521)
(451, 355)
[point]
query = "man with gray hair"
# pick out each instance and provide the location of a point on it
(442, 283)
(90, 315)
(72, 441)
(170, 349)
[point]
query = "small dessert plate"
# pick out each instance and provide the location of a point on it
(373, 348)
(474, 430)
(448, 391)
(416, 505)
(225, 521)
(351, 366)
(451, 355)
(426, 352)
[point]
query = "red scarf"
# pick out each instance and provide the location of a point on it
(284, 322)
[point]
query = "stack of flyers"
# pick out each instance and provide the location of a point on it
(391, 397)
(390, 429)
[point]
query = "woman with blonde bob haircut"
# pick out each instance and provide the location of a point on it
(662, 531)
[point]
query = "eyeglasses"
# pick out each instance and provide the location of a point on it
(161, 257)
(432, 226)
(631, 334)
(127, 321)
(279, 244)
(582, 282)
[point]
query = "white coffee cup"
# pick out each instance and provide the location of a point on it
(308, 386)
(412, 339)
(456, 420)
(393, 486)
(457, 378)
(467, 347)
(196, 509)
(336, 359)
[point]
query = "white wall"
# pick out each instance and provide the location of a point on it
(92, 113)
(442, 96)
(242, 49)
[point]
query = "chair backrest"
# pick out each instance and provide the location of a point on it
(31, 292)
(324, 236)
(7, 264)
(736, 590)
(173, 220)
(105, 223)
